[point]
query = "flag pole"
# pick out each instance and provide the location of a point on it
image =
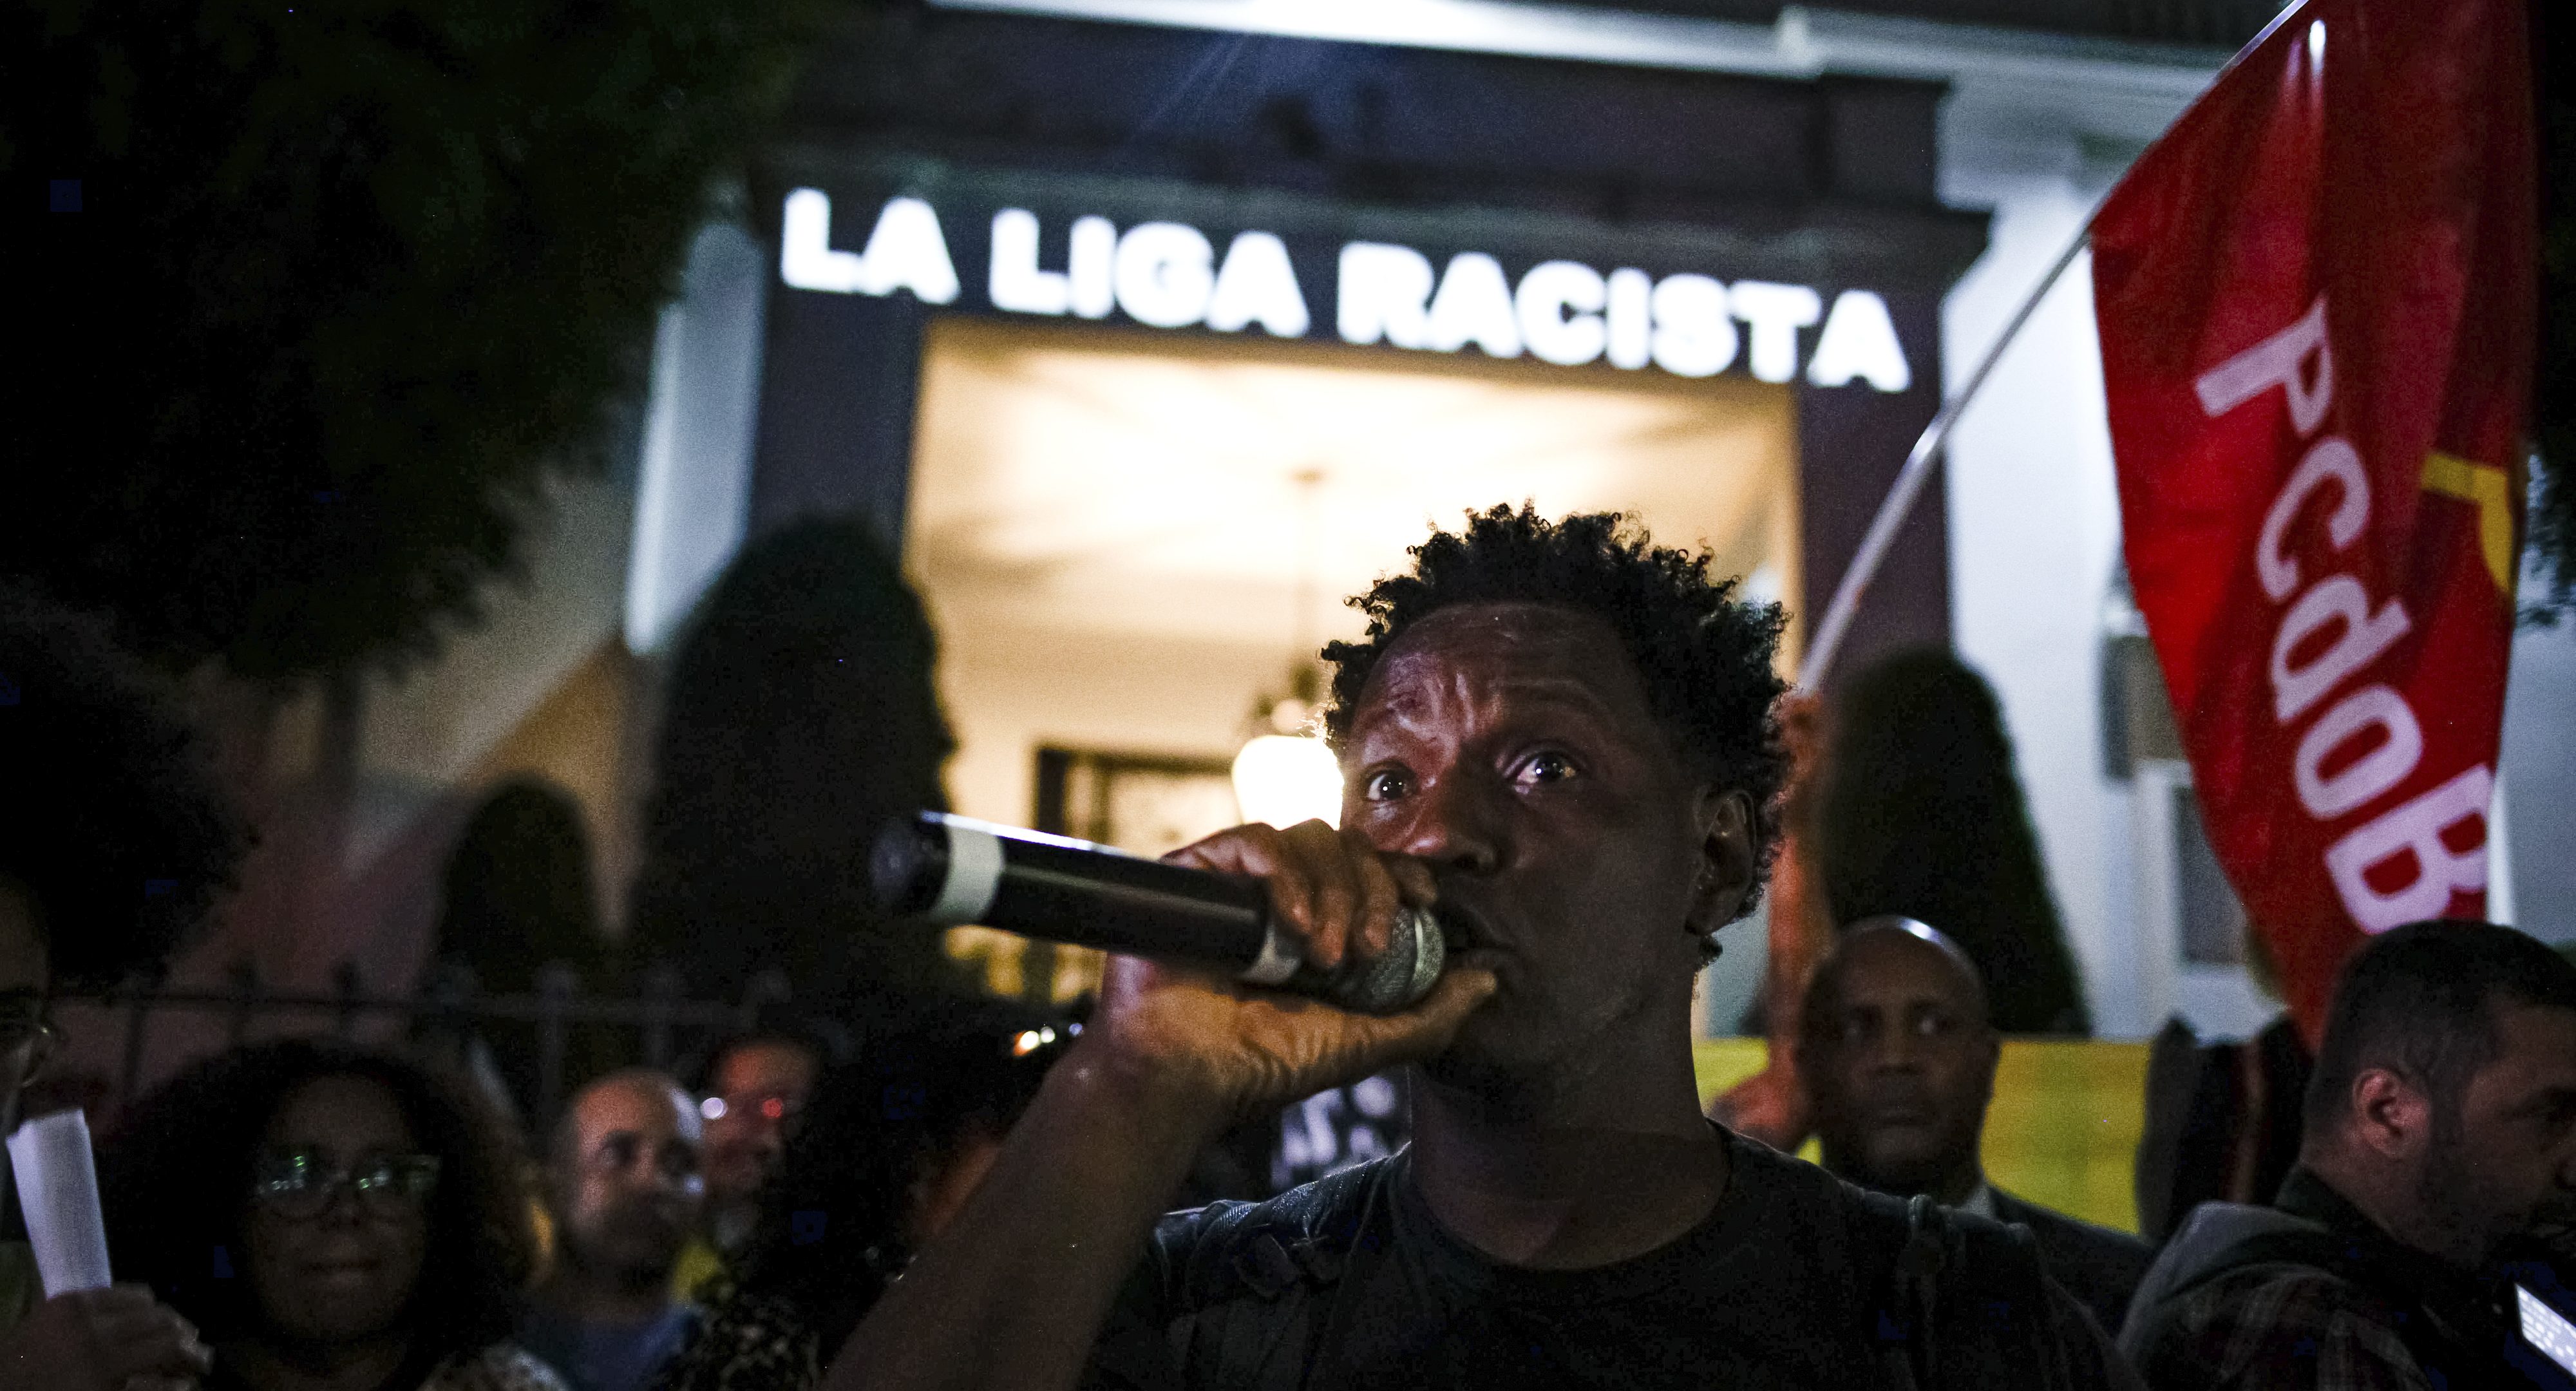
(1828, 636)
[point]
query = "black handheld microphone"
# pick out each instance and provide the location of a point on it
(949, 870)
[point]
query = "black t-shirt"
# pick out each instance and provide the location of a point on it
(1352, 1282)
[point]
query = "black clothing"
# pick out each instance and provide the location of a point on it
(1794, 1280)
(2097, 1265)
(2273, 1287)
(2223, 1122)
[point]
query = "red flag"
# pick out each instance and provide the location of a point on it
(2316, 298)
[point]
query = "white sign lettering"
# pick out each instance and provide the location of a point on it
(1257, 285)
(1169, 275)
(2372, 723)
(1383, 290)
(905, 251)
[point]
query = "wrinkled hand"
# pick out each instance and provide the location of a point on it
(115, 1339)
(1235, 1051)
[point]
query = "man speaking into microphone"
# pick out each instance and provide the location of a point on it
(1560, 734)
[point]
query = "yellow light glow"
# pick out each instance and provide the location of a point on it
(1284, 779)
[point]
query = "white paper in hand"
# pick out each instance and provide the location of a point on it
(58, 1193)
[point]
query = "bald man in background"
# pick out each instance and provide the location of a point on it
(1898, 1056)
(625, 1182)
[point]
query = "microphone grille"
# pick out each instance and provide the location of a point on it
(1404, 974)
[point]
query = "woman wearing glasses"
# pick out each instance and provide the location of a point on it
(332, 1219)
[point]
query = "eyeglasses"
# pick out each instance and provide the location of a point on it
(297, 1184)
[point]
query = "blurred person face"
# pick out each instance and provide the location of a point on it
(754, 1097)
(1511, 746)
(627, 1179)
(333, 1260)
(2502, 1162)
(1899, 1064)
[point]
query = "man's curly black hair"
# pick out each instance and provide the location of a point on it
(110, 816)
(1705, 655)
(175, 1176)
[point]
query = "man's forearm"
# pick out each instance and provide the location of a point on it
(1014, 1292)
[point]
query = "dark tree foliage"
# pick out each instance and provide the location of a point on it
(1923, 816)
(345, 282)
(800, 719)
(111, 819)
(2553, 416)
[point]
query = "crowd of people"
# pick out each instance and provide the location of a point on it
(1560, 736)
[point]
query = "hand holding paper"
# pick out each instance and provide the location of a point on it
(86, 1334)
(58, 1192)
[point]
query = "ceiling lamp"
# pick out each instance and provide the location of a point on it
(1286, 774)
(1288, 778)
(1290, 774)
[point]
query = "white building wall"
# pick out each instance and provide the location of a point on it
(2540, 781)
(693, 490)
(2034, 539)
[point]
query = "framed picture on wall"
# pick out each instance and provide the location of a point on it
(1145, 804)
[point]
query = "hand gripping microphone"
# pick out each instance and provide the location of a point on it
(948, 870)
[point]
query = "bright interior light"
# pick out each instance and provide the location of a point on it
(1284, 779)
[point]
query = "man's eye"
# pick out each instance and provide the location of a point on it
(1386, 784)
(1932, 1025)
(1545, 768)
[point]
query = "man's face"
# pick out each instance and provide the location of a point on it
(628, 1181)
(756, 1091)
(1899, 1064)
(1511, 747)
(2510, 1163)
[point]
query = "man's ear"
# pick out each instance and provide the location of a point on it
(2390, 1116)
(1726, 868)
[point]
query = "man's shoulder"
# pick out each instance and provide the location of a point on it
(2048, 1222)
(1201, 1254)
(2077, 1247)
(2240, 1289)
(1978, 1283)
(2273, 1324)
(1233, 1290)
(1303, 1235)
